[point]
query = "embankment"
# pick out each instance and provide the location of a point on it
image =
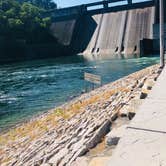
(60, 136)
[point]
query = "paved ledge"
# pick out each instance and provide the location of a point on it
(144, 143)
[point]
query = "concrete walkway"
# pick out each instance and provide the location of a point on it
(144, 142)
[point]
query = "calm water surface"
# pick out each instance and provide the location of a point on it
(29, 88)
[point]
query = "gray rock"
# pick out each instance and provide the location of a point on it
(114, 117)
(112, 141)
(131, 115)
(55, 160)
(123, 112)
(100, 133)
(79, 153)
(114, 135)
(143, 95)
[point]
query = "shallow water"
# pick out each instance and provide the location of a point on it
(29, 88)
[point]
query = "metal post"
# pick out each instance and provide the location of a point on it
(162, 63)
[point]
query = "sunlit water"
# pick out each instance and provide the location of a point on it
(29, 88)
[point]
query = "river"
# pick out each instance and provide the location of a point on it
(30, 88)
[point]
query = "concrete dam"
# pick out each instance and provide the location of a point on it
(122, 32)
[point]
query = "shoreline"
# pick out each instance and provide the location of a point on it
(41, 107)
(77, 114)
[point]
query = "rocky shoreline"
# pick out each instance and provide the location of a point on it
(60, 136)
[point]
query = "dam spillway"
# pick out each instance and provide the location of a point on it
(109, 33)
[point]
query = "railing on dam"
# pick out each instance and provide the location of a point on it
(100, 7)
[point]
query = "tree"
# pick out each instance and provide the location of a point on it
(45, 4)
(22, 20)
(49, 4)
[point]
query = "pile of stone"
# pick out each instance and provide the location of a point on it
(72, 138)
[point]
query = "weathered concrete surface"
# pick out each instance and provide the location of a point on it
(144, 142)
(121, 32)
(63, 31)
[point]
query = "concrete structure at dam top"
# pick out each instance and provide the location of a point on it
(124, 29)
(99, 7)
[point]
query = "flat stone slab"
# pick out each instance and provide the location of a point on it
(144, 141)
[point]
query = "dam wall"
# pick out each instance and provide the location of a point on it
(121, 32)
(63, 31)
(107, 34)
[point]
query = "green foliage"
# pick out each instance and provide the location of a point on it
(45, 4)
(14, 23)
(22, 19)
(46, 22)
(8, 4)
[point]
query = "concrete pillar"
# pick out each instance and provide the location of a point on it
(162, 63)
(129, 1)
(105, 4)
